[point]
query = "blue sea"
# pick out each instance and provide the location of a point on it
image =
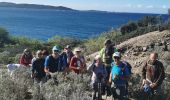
(43, 24)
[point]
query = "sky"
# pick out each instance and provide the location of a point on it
(140, 6)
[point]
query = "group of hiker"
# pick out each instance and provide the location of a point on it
(109, 72)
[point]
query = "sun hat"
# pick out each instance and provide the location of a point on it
(97, 57)
(78, 49)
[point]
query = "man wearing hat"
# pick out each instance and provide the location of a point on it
(118, 77)
(53, 62)
(106, 56)
(66, 56)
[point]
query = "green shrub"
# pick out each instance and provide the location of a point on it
(11, 89)
(57, 40)
(4, 37)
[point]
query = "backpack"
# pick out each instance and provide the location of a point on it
(128, 66)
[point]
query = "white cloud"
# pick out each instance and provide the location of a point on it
(164, 7)
(150, 6)
(139, 6)
(128, 5)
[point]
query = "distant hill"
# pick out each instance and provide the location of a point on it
(34, 6)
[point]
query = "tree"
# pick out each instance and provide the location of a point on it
(127, 28)
(169, 11)
(4, 37)
(147, 20)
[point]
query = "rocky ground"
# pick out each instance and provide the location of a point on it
(137, 50)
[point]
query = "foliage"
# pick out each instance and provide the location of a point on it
(74, 87)
(4, 37)
(169, 11)
(57, 40)
(166, 25)
(127, 28)
(11, 89)
(148, 20)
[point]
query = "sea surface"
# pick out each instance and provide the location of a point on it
(43, 24)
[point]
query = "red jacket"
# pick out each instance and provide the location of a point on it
(76, 62)
(25, 60)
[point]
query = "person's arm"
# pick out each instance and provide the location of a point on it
(101, 53)
(110, 78)
(90, 67)
(161, 76)
(46, 64)
(33, 70)
(144, 73)
(22, 60)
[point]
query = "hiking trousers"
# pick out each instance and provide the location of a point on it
(119, 92)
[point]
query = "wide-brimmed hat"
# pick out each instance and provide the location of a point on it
(97, 57)
(78, 49)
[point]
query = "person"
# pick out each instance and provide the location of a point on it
(26, 58)
(45, 53)
(99, 74)
(77, 63)
(118, 77)
(152, 75)
(38, 73)
(53, 62)
(106, 55)
(66, 56)
(34, 57)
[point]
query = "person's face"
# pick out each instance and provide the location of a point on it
(78, 53)
(99, 61)
(153, 57)
(56, 52)
(39, 55)
(67, 49)
(117, 60)
(27, 52)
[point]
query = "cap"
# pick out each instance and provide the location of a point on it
(68, 47)
(116, 54)
(56, 48)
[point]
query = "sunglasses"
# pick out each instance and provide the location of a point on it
(116, 57)
(56, 50)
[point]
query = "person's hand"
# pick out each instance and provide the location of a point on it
(153, 85)
(32, 75)
(78, 68)
(116, 77)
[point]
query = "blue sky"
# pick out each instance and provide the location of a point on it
(141, 6)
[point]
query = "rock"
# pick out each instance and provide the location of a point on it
(144, 49)
(167, 69)
(159, 44)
